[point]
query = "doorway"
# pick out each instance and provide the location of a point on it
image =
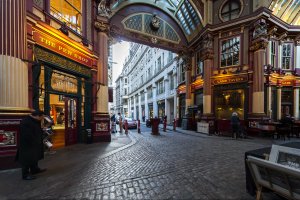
(64, 112)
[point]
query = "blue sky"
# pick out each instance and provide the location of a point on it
(120, 52)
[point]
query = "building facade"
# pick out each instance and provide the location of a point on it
(151, 76)
(53, 57)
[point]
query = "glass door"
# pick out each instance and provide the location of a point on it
(71, 120)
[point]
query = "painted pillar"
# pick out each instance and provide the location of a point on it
(207, 57)
(101, 121)
(297, 53)
(167, 93)
(13, 46)
(14, 77)
(269, 108)
(296, 103)
(279, 103)
(258, 81)
(188, 73)
(258, 46)
(146, 104)
(140, 108)
(155, 107)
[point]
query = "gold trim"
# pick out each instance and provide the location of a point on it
(15, 108)
(14, 114)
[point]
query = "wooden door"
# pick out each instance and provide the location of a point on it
(71, 117)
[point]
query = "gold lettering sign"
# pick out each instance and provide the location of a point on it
(61, 48)
(287, 83)
(227, 80)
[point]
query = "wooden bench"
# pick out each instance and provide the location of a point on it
(280, 179)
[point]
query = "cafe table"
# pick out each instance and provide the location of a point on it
(261, 153)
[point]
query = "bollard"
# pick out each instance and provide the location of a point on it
(139, 126)
(165, 125)
(126, 126)
(174, 125)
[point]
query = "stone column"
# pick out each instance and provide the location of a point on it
(259, 45)
(101, 120)
(296, 103)
(13, 46)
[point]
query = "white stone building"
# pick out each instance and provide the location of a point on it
(147, 85)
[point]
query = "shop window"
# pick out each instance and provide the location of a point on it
(229, 101)
(287, 49)
(231, 10)
(68, 11)
(230, 52)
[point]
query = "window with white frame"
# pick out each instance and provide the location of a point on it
(182, 73)
(159, 64)
(68, 11)
(171, 82)
(230, 52)
(287, 49)
(160, 86)
(273, 53)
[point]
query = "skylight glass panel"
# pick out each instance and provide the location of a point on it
(175, 2)
(187, 17)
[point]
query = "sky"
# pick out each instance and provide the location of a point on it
(120, 52)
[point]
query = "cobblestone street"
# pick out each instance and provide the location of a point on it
(168, 166)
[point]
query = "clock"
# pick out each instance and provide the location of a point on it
(155, 23)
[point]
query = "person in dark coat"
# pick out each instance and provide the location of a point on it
(31, 147)
(235, 124)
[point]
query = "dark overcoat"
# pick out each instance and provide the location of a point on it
(31, 141)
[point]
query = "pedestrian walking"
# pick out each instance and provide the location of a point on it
(120, 122)
(31, 147)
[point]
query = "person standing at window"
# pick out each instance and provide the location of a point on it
(31, 148)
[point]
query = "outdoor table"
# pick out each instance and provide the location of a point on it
(261, 153)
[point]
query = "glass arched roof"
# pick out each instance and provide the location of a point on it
(184, 12)
(287, 10)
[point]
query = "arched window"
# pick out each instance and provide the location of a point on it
(231, 10)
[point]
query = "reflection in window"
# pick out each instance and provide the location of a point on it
(68, 11)
(230, 52)
(199, 66)
(229, 101)
(287, 56)
(231, 10)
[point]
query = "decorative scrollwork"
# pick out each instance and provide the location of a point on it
(260, 29)
(102, 26)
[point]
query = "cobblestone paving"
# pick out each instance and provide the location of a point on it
(169, 166)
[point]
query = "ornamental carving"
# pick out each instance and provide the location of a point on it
(260, 29)
(208, 41)
(260, 43)
(102, 26)
(187, 62)
(104, 8)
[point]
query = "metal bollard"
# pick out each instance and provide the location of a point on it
(174, 125)
(139, 126)
(126, 126)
